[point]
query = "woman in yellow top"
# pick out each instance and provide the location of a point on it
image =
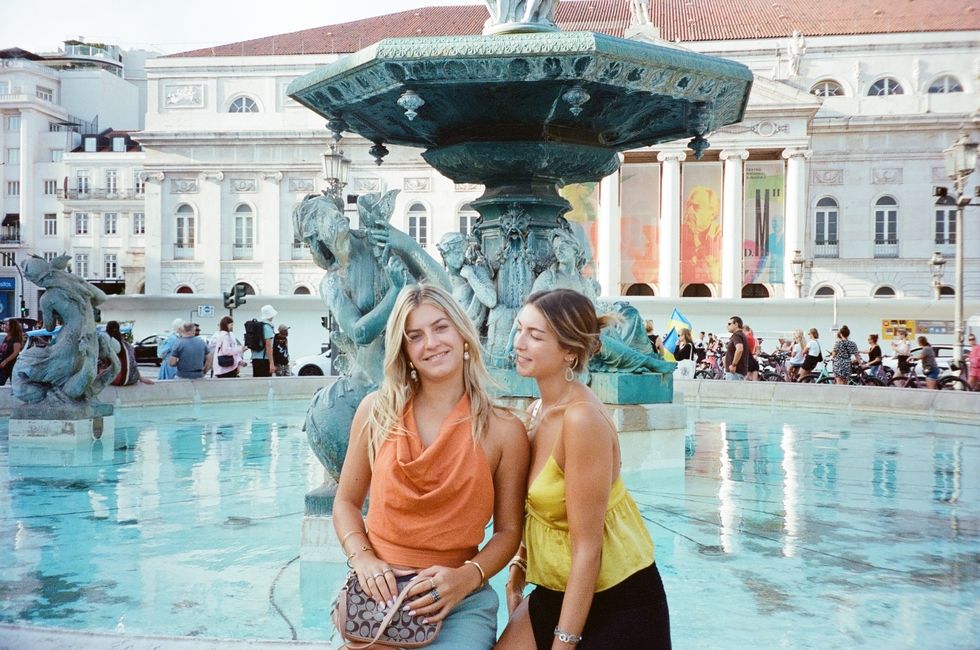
(585, 545)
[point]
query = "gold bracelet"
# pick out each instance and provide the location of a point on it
(354, 554)
(483, 576)
(518, 561)
(343, 540)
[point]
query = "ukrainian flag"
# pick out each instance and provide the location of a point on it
(676, 323)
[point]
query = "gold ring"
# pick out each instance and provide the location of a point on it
(387, 570)
(377, 575)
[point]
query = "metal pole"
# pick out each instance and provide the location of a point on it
(958, 312)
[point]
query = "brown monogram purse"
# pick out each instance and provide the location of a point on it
(364, 625)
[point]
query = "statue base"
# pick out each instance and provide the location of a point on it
(318, 540)
(623, 388)
(61, 435)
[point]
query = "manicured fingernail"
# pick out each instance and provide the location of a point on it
(411, 612)
(391, 602)
(405, 608)
(424, 621)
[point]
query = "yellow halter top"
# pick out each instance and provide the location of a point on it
(626, 544)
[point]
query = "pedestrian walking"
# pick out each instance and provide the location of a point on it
(258, 338)
(228, 352)
(901, 348)
(752, 349)
(736, 362)
(280, 351)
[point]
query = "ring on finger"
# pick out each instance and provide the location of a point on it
(388, 570)
(433, 583)
(435, 595)
(377, 575)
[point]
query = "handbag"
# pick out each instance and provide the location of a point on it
(226, 360)
(363, 625)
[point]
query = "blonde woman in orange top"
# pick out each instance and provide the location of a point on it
(439, 461)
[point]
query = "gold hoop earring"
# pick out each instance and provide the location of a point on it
(569, 374)
(466, 350)
(412, 373)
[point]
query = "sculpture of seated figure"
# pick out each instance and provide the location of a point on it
(81, 361)
(537, 15)
(473, 287)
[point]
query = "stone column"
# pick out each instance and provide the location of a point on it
(670, 222)
(610, 214)
(269, 229)
(153, 211)
(732, 217)
(796, 175)
(209, 245)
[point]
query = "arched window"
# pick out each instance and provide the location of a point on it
(946, 220)
(418, 224)
(185, 231)
(946, 291)
(301, 291)
(246, 287)
(886, 227)
(885, 86)
(825, 292)
(827, 88)
(825, 218)
(640, 289)
(884, 292)
(243, 105)
(755, 291)
(467, 218)
(944, 85)
(696, 291)
(244, 232)
(184, 289)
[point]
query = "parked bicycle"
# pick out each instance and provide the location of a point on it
(712, 367)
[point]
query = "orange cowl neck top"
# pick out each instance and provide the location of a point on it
(430, 505)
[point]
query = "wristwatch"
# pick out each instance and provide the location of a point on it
(565, 637)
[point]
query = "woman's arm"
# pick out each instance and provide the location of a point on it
(588, 442)
(355, 482)
(508, 454)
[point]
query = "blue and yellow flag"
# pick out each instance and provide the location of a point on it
(676, 323)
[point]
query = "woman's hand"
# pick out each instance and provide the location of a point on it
(440, 589)
(377, 579)
(514, 589)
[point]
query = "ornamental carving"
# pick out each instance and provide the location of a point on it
(184, 96)
(765, 128)
(183, 186)
(304, 185)
(242, 185)
(887, 175)
(468, 187)
(828, 176)
(418, 184)
(367, 185)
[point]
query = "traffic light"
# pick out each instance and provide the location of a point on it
(325, 322)
(23, 308)
(239, 295)
(229, 300)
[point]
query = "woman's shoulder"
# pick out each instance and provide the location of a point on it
(506, 424)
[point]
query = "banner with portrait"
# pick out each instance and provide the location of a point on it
(764, 222)
(584, 217)
(701, 223)
(639, 224)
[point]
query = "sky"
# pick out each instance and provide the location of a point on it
(177, 25)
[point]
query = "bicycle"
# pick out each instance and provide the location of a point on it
(911, 379)
(711, 367)
(954, 381)
(773, 367)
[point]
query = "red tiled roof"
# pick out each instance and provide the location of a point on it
(685, 20)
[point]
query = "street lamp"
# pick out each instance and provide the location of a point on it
(798, 262)
(938, 265)
(961, 161)
(336, 168)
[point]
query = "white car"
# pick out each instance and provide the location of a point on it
(944, 356)
(313, 365)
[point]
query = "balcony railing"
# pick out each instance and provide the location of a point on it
(183, 251)
(100, 193)
(825, 248)
(10, 240)
(301, 250)
(241, 252)
(886, 248)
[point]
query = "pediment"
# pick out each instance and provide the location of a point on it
(768, 93)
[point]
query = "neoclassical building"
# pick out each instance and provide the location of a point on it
(837, 157)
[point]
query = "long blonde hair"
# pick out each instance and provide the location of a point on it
(397, 389)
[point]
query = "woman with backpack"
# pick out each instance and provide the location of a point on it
(227, 351)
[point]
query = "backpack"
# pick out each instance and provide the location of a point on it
(255, 335)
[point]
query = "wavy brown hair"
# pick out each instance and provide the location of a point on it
(573, 319)
(397, 389)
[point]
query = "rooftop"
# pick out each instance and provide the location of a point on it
(683, 20)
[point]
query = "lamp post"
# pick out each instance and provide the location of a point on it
(938, 264)
(798, 262)
(961, 161)
(336, 168)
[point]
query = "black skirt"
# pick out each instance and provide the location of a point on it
(632, 614)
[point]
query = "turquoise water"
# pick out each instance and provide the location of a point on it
(785, 529)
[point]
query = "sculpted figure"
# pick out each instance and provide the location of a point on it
(795, 50)
(81, 361)
(364, 271)
(565, 271)
(515, 278)
(639, 12)
(538, 13)
(469, 273)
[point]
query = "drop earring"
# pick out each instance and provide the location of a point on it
(569, 374)
(466, 350)
(412, 372)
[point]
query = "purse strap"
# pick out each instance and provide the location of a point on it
(386, 621)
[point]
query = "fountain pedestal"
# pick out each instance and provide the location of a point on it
(61, 436)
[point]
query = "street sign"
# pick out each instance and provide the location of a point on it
(205, 310)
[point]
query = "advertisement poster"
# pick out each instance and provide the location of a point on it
(701, 223)
(639, 225)
(584, 198)
(890, 328)
(764, 223)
